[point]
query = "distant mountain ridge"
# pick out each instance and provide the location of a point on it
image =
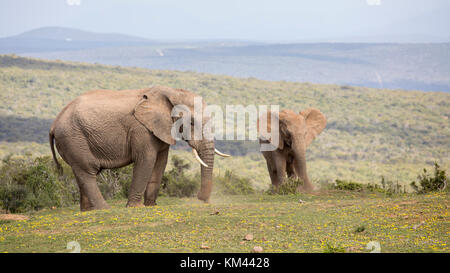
(63, 33)
(48, 39)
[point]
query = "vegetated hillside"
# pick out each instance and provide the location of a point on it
(405, 66)
(370, 132)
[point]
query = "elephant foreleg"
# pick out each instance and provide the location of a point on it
(280, 166)
(276, 165)
(142, 173)
(300, 170)
(151, 192)
(271, 167)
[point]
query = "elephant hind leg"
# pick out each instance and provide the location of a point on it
(90, 195)
(151, 192)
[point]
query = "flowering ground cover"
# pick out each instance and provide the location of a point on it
(326, 221)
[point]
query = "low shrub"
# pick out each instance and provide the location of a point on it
(289, 186)
(13, 198)
(31, 184)
(430, 183)
(386, 187)
(348, 185)
(360, 229)
(176, 183)
(115, 183)
(233, 184)
(332, 248)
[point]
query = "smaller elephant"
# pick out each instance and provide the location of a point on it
(296, 133)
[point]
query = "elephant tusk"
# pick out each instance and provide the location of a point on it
(198, 158)
(220, 153)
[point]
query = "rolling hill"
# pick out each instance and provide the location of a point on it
(409, 66)
(394, 66)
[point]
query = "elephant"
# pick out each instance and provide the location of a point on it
(296, 133)
(104, 129)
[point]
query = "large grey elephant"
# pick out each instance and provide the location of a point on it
(106, 129)
(296, 132)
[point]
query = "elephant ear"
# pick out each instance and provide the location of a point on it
(315, 123)
(154, 112)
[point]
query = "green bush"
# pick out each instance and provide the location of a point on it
(115, 183)
(387, 187)
(348, 185)
(232, 184)
(13, 197)
(176, 183)
(34, 184)
(289, 186)
(428, 183)
(331, 248)
(360, 229)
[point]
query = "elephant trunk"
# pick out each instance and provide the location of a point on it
(299, 148)
(206, 153)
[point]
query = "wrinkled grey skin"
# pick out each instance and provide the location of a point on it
(110, 129)
(296, 132)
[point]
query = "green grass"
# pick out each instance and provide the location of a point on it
(326, 221)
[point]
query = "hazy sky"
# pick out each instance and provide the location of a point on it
(266, 20)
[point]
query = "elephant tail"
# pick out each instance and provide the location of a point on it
(51, 136)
